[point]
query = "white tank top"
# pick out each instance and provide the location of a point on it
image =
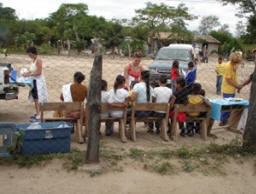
(33, 67)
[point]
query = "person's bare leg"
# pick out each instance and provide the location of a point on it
(37, 107)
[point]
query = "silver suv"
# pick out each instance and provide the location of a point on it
(162, 63)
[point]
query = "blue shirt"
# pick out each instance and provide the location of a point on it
(191, 77)
(140, 89)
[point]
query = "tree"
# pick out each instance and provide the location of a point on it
(250, 132)
(157, 17)
(208, 23)
(224, 28)
(240, 29)
(112, 36)
(246, 6)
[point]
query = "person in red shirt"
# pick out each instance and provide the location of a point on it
(174, 74)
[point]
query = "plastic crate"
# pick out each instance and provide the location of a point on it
(7, 132)
(44, 138)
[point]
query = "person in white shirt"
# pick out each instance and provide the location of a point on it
(104, 99)
(160, 94)
(118, 95)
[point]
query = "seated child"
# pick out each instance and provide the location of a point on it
(196, 98)
(160, 94)
(131, 87)
(180, 97)
(117, 95)
(104, 99)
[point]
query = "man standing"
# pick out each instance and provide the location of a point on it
(219, 71)
(230, 84)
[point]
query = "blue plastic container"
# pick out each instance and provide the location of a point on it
(45, 138)
(7, 132)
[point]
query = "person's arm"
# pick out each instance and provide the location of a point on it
(134, 96)
(232, 83)
(153, 99)
(126, 76)
(61, 97)
(245, 83)
(172, 101)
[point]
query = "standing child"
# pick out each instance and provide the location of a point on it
(196, 98)
(118, 95)
(191, 75)
(160, 94)
(219, 71)
(174, 73)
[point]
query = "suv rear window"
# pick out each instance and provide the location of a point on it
(172, 54)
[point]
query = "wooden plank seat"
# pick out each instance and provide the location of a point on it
(65, 106)
(106, 107)
(149, 107)
(191, 108)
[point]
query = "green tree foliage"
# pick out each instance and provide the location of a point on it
(112, 35)
(208, 23)
(157, 18)
(228, 42)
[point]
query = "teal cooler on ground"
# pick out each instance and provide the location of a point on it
(45, 138)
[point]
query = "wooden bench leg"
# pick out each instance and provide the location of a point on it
(78, 132)
(174, 130)
(133, 132)
(164, 127)
(203, 130)
(122, 132)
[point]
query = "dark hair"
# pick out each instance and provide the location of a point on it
(103, 84)
(181, 81)
(32, 50)
(145, 75)
(196, 87)
(191, 64)
(137, 54)
(202, 92)
(79, 77)
(119, 80)
(220, 58)
(175, 64)
(133, 83)
(163, 79)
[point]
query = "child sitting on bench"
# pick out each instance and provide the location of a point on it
(196, 98)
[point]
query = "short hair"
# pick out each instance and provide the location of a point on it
(163, 79)
(191, 64)
(79, 77)
(196, 88)
(32, 50)
(202, 92)
(181, 81)
(104, 84)
(175, 64)
(219, 58)
(236, 57)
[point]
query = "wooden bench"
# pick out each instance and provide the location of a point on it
(106, 107)
(150, 107)
(191, 108)
(65, 106)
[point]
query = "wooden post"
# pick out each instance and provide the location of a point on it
(93, 104)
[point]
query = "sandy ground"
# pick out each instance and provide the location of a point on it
(52, 178)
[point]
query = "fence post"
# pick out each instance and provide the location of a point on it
(93, 104)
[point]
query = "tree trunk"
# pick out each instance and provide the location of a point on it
(250, 128)
(69, 46)
(93, 104)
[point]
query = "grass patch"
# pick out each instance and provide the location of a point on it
(137, 154)
(163, 168)
(188, 166)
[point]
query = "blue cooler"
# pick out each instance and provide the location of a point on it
(7, 132)
(45, 138)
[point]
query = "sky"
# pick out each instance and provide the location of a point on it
(109, 9)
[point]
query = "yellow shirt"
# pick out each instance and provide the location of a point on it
(230, 71)
(195, 99)
(219, 69)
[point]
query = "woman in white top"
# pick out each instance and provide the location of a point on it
(117, 95)
(38, 92)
